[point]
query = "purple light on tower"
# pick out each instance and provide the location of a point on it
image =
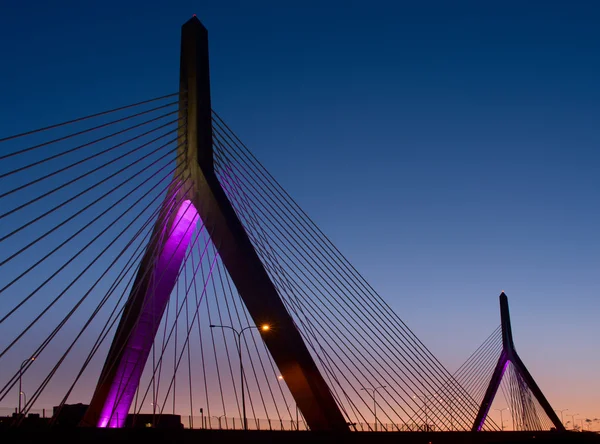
(138, 346)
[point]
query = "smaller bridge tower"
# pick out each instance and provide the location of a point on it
(509, 354)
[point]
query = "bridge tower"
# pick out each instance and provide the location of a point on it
(203, 201)
(509, 354)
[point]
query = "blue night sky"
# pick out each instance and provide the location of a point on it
(450, 150)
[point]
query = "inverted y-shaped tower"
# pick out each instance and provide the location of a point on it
(196, 195)
(507, 355)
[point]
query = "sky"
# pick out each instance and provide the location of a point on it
(448, 149)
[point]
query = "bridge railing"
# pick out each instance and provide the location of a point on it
(389, 427)
(236, 423)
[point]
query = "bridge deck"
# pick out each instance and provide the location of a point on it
(93, 435)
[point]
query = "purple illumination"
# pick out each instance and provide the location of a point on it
(161, 283)
(504, 359)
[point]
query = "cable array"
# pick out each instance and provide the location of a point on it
(526, 412)
(358, 342)
(475, 375)
(76, 204)
(81, 206)
(87, 209)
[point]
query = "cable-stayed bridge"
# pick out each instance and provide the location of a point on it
(154, 274)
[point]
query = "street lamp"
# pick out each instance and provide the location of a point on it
(424, 398)
(501, 419)
(280, 377)
(589, 422)
(561, 414)
(238, 343)
(219, 419)
(573, 419)
(21, 377)
(297, 423)
(366, 389)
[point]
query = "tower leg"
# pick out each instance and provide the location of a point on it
(141, 318)
(490, 393)
(520, 367)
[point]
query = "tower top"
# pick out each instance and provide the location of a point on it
(194, 21)
(507, 338)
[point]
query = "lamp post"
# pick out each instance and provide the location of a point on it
(561, 414)
(280, 378)
(219, 419)
(297, 423)
(21, 377)
(589, 422)
(502, 419)
(451, 405)
(366, 389)
(238, 343)
(573, 419)
(424, 398)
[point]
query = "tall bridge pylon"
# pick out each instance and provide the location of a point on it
(509, 355)
(195, 195)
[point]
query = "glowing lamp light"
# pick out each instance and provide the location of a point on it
(265, 327)
(280, 377)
